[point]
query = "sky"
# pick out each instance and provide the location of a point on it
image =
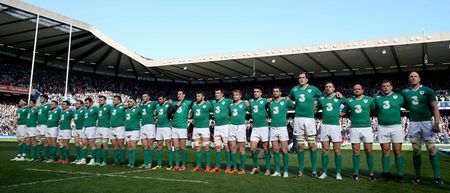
(160, 29)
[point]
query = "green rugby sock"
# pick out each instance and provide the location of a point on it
(399, 163)
(276, 158)
(255, 159)
(434, 159)
(385, 162)
(301, 160)
(325, 160)
(286, 162)
(338, 163)
(356, 159)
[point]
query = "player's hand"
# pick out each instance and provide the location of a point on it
(179, 103)
(436, 128)
(247, 103)
(170, 101)
(339, 95)
(269, 100)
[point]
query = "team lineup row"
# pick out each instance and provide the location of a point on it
(39, 128)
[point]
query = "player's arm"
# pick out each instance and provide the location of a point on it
(405, 102)
(291, 95)
(345, 110)
(435, 110)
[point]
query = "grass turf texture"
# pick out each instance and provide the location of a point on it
(41, 177)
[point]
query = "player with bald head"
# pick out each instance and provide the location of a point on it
(424, 124)
(359, 107)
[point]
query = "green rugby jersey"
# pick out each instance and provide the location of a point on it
(238, 113)
(388, 108)
(304, 100)
(221, 111)
(201, 114)
(22, 114)
(418, 103)
(43, 114)
(104, 116)
(133, 119)
(90, 117)
(259, 112)
(161, 112)
(180, 117)
(278, 112)
(32, 117)
(117, 115)
(147, 112)
(78, 117)
(360, 111)
(331, 108)
(66, 119)
(53, 117)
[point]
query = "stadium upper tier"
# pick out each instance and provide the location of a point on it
(94, 52)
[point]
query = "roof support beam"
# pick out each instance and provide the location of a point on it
(292, 63)
(342, 61)
(75, 46)
(270, 65)
(89, 52)
(30, 30)
(134, 68)
(201, 67)
(205, 75)
(228, 68)
(242, 64)
(17, 21)
(50, 37)
(424, 53)
(394, 54)
(54, 43)
(116, 68)
(368, 60)
(101, 59)
(318, 63)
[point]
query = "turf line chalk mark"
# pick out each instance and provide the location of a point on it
(88, 174)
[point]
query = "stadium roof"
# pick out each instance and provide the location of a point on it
(92, 51)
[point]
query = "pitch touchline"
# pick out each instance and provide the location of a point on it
(117, 174)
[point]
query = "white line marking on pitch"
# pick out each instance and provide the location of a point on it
(117, 174)
(43, 181)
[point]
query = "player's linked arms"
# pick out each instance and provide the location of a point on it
(269, 100)
(339, 95)
(247, 103)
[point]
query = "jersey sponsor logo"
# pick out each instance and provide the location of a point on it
(329, 107)
(365, 100)
(197, 112)
(217, 110)
(179, 110)
(204, 106)
(261, 102)
(321, 98)
(282, 103)
(414, 100)
(166, 106)
(223, 102)
(395, 96)
(386, 105)
(235, 112)
(275, 110)
(309, 90)
(104, 109)
(350, 100)
(301, 98)
(422, 92)
(358, 109)
(240, 106)
(335, 100)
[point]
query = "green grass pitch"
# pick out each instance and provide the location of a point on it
(41, 177)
